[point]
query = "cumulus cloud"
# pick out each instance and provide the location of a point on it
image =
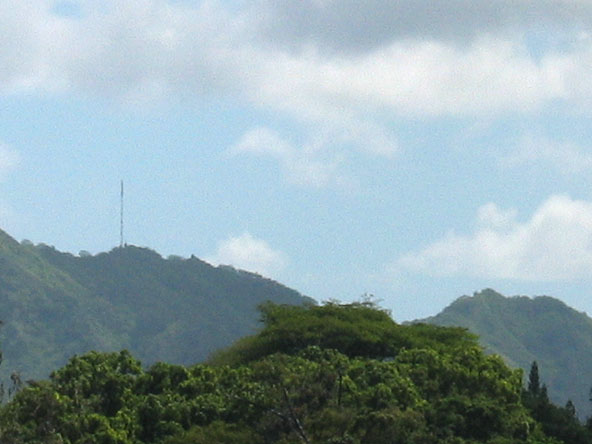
(491, 217)
(156, 48)
(306, 166)
(9, 159)
(417, 78)
(249, 253)
(31, 43)
(346, 68)
(554, 244)
(116, 49)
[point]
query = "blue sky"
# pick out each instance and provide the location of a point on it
(417, 151)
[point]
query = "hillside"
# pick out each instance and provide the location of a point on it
(331, 373)
(54, 305)
(523, 329)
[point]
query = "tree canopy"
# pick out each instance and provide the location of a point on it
(56, 304)
(295, 382)
(359, 329)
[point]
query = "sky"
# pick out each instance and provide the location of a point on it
(416, 151)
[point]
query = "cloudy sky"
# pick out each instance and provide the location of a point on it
(414, 150)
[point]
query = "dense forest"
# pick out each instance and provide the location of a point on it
(54, 305)
(313, 374)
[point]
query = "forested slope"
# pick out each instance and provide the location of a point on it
(523, 330)
(55, 304)
(375, 382)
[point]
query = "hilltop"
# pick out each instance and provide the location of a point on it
(54, 305)
(523, 330)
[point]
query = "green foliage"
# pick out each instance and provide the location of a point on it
(557, 422)
(340, 374)
(217, 432)
(56, 305)
(523, 330)
(436, 386)
(357, 329)
(103, 381)
(534, 382)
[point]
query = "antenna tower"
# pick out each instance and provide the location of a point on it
(121, 219)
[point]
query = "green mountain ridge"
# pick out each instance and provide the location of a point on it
(54, 305)
(523, 330)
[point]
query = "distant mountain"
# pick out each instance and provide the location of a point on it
(523, 330)
(54, 305)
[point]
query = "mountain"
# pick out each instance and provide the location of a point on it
(523, 330)
(54, 305)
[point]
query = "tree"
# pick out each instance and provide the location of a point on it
(570, 408)
(534, 382)
(359, 329)
(217, 432)
(557, 422)
(315, 389)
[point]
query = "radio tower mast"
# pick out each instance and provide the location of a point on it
(121, 219)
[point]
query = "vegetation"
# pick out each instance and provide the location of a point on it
(379, 382)
(358, 329)
(560, 423)
(331, 374)
(523, 330)
(55, 305)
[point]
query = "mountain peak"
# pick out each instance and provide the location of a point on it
(523, 329)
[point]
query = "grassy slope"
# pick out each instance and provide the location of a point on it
(523, 330)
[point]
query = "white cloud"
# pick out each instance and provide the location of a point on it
(31, 44)
(566, 157)
(490, 216)
(9, 159)
(249, 253)
(414, 78)
(115, 49)
(408, 58)
(263, 141)
(303, 166)
(160, 49)
(555, 244)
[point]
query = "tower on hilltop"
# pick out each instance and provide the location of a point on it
(121, 218)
